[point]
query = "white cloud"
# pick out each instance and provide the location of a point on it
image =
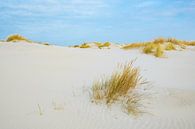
(53, 7)
(145, 4)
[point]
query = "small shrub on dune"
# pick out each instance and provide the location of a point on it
(16, 37)
(170, 46)
(159, 51)
(84, 45)
(119, 87)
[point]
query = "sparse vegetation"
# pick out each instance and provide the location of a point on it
(119, 87)
(17, 37)
(84, 45)
(134, 45)
(159, 45)
(101, 45)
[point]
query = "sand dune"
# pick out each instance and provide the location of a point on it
(55, 82)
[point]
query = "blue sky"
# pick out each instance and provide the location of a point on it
(66, 22)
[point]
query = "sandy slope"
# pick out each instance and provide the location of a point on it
(59, 78)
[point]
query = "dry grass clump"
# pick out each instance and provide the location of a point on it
(16, 37)
(84, 45)
(119, 87)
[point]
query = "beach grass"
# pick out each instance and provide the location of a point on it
(16, 37)
(118, 87)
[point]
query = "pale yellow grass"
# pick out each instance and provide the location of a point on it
(106, 44)
(118, 87)
(16, 37)
(134, 45)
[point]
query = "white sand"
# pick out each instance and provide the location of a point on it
(58, 80)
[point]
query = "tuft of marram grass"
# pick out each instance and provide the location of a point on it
(16, 37)
(119, 87)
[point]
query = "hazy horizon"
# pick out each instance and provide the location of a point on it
(78, 21)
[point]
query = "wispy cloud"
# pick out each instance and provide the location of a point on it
(146, 4)
(55, 7)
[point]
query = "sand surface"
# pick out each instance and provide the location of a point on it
(56, 81)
